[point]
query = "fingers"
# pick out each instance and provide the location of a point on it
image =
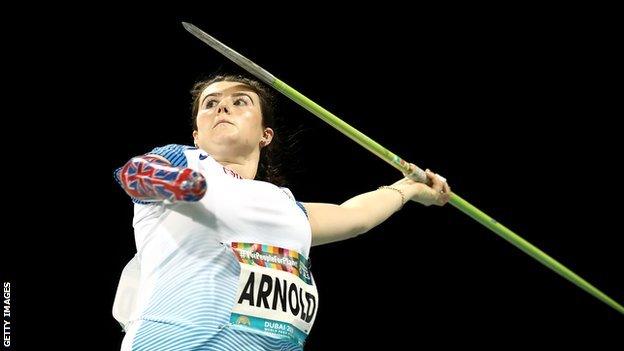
(439, 192)
(440, 187)
(436, 183)
(444, 197)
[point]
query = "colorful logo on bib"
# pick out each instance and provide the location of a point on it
(274, 257)
(243, 320)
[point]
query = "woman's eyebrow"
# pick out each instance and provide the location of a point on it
(212, 94)
(243, 94)
(233, 94)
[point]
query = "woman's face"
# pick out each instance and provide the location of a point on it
(229, 120)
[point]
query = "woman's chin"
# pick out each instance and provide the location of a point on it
(225, 144)
(225, 138)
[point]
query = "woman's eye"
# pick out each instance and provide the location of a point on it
(211, 103)
(240, 102)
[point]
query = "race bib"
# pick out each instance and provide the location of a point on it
(276, 294)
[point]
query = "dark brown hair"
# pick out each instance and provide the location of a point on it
(269, 163)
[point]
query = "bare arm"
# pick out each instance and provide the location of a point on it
(330, 222)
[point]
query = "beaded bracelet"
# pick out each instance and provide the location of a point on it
(399, 190)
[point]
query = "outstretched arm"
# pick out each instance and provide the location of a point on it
(152, 178)
(362, 213)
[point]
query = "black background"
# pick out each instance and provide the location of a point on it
(512, 106)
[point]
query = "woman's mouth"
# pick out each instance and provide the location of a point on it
(223, 122)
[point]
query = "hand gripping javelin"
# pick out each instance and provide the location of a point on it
(417, 174)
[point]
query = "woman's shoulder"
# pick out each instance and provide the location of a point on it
(287, 192)
(172, 148)
(292, 197)
(174, 153)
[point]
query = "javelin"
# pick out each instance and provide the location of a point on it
(417, 174)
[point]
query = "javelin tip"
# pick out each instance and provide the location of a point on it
(234, 56)
(189, 26)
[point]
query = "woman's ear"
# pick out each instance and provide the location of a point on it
(266, 137)
(195, 134)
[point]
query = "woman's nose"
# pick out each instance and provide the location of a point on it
(222, 108)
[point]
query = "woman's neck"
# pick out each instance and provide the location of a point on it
(246, 167)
